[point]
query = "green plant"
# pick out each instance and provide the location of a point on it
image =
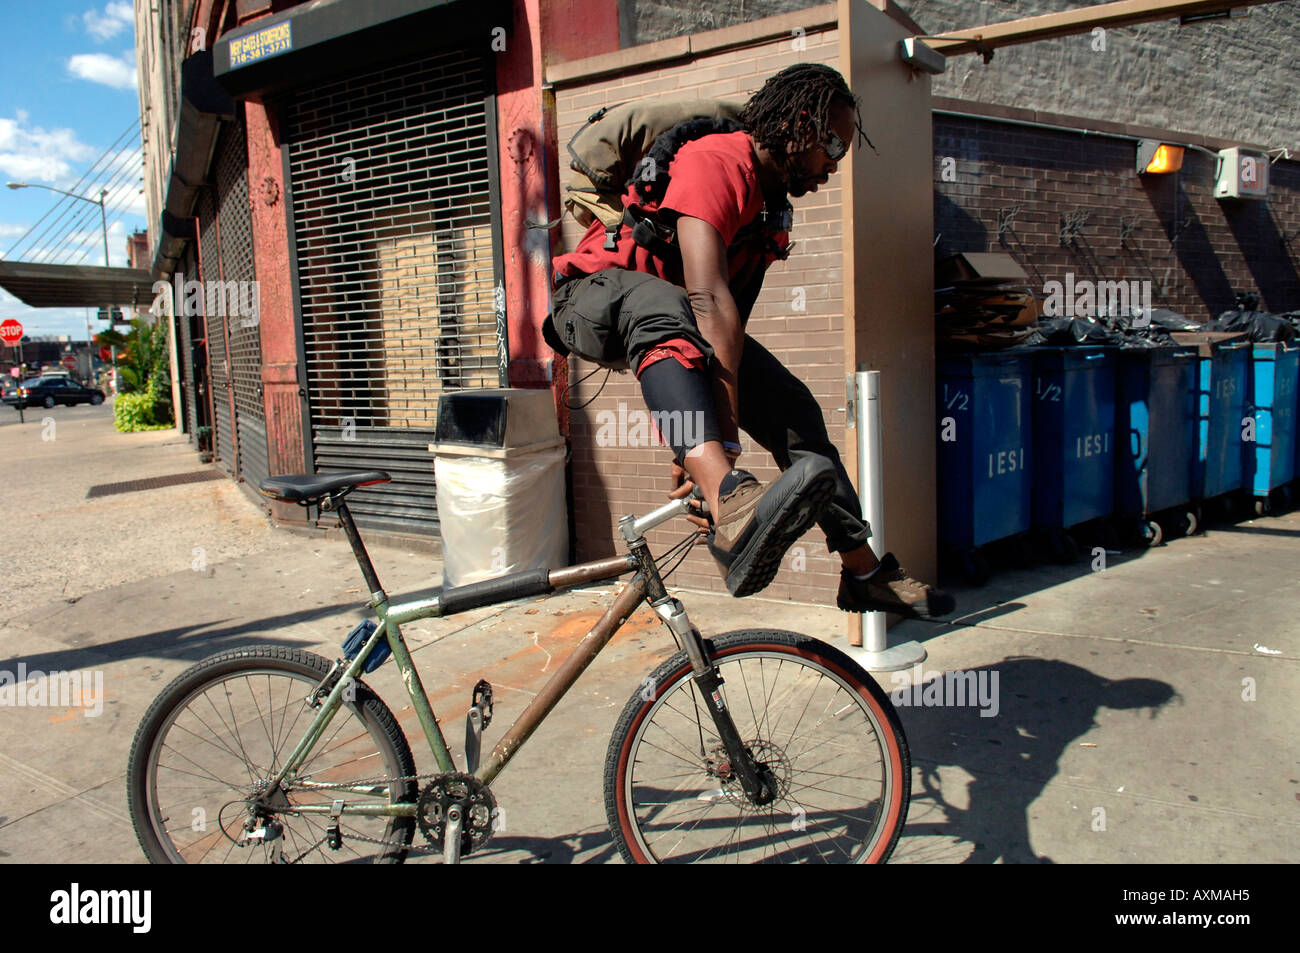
(132, 412)
(142, 360)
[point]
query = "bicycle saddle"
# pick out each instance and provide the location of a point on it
(310, 487)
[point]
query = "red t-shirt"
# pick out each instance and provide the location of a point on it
(714, 179)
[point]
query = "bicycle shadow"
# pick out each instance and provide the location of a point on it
(1042, 706)
(585, 847)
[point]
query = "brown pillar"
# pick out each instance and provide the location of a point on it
(889, 273)
(283, 390)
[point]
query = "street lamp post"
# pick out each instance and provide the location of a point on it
(103, 216)
(103, 227)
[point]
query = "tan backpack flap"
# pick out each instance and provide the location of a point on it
(604, 152)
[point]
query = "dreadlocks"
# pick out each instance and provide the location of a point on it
(796, 103)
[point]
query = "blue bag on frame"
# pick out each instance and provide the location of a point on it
(357, 638)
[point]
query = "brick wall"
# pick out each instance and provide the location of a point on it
(609, 481)
(1233, 79)
(1167, 229)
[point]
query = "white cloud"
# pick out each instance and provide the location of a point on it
(102, 68)
(115, 18)
(31, 153)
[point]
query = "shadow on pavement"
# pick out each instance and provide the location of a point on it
(594, 847)
(183, 642)
(1041, 706)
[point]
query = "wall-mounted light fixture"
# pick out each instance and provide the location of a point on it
(1156, 157)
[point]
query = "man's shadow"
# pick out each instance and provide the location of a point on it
(1042, 707)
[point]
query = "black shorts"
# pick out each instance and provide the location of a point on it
(614, 317)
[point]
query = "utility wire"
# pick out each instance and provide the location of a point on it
(68, 215)
(65, 205)
(84, 234)
(84, 217)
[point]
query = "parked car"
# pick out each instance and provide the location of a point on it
(48, 391)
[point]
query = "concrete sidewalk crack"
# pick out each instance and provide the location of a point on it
(83, 799)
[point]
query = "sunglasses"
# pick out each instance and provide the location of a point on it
(836, 148)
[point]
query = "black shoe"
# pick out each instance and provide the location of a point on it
(754, 528)
(890, 589)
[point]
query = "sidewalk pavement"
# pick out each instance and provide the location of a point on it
(1144, 713)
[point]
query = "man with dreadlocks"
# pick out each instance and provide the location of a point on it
(668, 296)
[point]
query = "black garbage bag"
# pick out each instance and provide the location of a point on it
(1172, 320)
(1257, 325)
(1062, 332)
(1148, 337)
(1161, 318)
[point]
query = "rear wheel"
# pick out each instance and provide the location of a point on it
(811, 717)
(48, 402)
(211, 742)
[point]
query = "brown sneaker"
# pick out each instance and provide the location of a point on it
(738, 497)
(890, 589)
(757, 524)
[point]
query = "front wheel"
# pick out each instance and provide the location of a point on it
(96, 400)
(810, 716)
(210, 744)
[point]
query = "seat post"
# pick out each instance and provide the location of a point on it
(359, 549)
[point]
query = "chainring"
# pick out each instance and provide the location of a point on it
(478, 807)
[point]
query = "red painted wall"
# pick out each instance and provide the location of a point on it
(541, 32)
(279, 333)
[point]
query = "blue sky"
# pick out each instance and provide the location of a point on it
(67, 92)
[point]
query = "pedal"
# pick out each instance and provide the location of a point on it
(478, 718)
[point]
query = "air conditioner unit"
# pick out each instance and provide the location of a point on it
(1241, 174)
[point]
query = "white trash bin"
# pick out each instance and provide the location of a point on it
(499, 470)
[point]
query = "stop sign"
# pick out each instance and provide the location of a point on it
(11, 331)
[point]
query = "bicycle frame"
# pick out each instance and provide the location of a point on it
(646, 584)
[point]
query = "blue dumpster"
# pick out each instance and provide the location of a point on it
(1225, 366)
(1271, 400)
(984, 447)
(1074, 436)
(1156, 431)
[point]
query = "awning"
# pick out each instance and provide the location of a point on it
(173, 233)
(204, 104)
(309, 42)
(75, 286)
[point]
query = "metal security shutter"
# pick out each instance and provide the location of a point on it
(394, 234)
(243, 334)
(223, 434)
(185, 352)
(193, 334)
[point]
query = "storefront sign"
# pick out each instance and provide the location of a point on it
(257, 46)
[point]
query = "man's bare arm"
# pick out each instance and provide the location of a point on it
(704, 267)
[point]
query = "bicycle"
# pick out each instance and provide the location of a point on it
(762, 746)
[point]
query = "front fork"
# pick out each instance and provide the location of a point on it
(755, 779)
